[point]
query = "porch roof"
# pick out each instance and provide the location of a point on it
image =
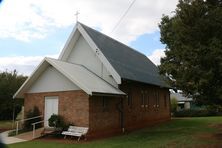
(78, 74)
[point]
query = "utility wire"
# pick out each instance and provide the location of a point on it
(127, 10)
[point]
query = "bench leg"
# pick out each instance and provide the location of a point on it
(79, 138)
(65, 137)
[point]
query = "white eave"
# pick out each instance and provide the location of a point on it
(78, 74)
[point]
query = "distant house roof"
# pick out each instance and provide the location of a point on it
(180, 97)
(78, 74)
(129, 63)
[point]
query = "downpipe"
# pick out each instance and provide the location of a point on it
(120, 109)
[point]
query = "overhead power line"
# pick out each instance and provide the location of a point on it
(121, 18)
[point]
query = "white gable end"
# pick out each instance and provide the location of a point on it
(84, 55)
(52, 80)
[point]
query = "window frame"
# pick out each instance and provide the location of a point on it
(142, 101)
(165, 100)
(147, 100)
(157, 99)
(104, 103)
(129, 99)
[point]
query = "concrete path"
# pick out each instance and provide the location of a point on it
(9, 140)
(21, 137)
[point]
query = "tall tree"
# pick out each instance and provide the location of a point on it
(9, 84)
(193, 38)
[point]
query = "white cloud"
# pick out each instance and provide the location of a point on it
(23, 64)
(156, 55)
(34, 19)
(26, 20)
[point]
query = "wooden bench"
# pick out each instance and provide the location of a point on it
(75, 131)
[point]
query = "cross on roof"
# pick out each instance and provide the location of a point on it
(76, 14)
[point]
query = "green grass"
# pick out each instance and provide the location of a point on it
(184, 132)
(5, 124)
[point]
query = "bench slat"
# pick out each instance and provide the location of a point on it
(75, 131)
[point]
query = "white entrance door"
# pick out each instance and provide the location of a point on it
(51, 107)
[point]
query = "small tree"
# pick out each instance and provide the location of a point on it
(9, 84)
(173, 103)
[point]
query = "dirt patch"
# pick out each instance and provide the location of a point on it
(60, 139)
(213, 139)
(209, 146)
(218, 136)
(217, 126)
(210, 137)
(205, 136)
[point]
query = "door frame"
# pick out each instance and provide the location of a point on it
(53, 110)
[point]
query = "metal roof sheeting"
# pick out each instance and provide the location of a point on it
(84, 78)
(78, 74)
(129, 63)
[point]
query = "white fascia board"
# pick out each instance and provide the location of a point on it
(73, 37)
(99, 54)
(35, 74)
(76, 82)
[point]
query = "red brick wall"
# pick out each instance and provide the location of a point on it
(73, 105)
(106, 121)
(78, 108)
(103, 120)
(138, 114)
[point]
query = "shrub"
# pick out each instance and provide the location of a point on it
(32, 113)
(56, 121)
(214, 108)
(196, 113)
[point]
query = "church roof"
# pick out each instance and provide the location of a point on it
(129, 63)
(123, 62)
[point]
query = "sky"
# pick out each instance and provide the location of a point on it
(33, 29)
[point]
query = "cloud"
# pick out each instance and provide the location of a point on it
(156, 55)
(23, 64)
(26, 20)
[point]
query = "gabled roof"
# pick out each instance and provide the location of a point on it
(78, 74)
(129, 63)
(84, 78)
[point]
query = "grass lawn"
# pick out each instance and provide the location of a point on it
(183, 132)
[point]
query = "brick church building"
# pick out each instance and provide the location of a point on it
(100, 83)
